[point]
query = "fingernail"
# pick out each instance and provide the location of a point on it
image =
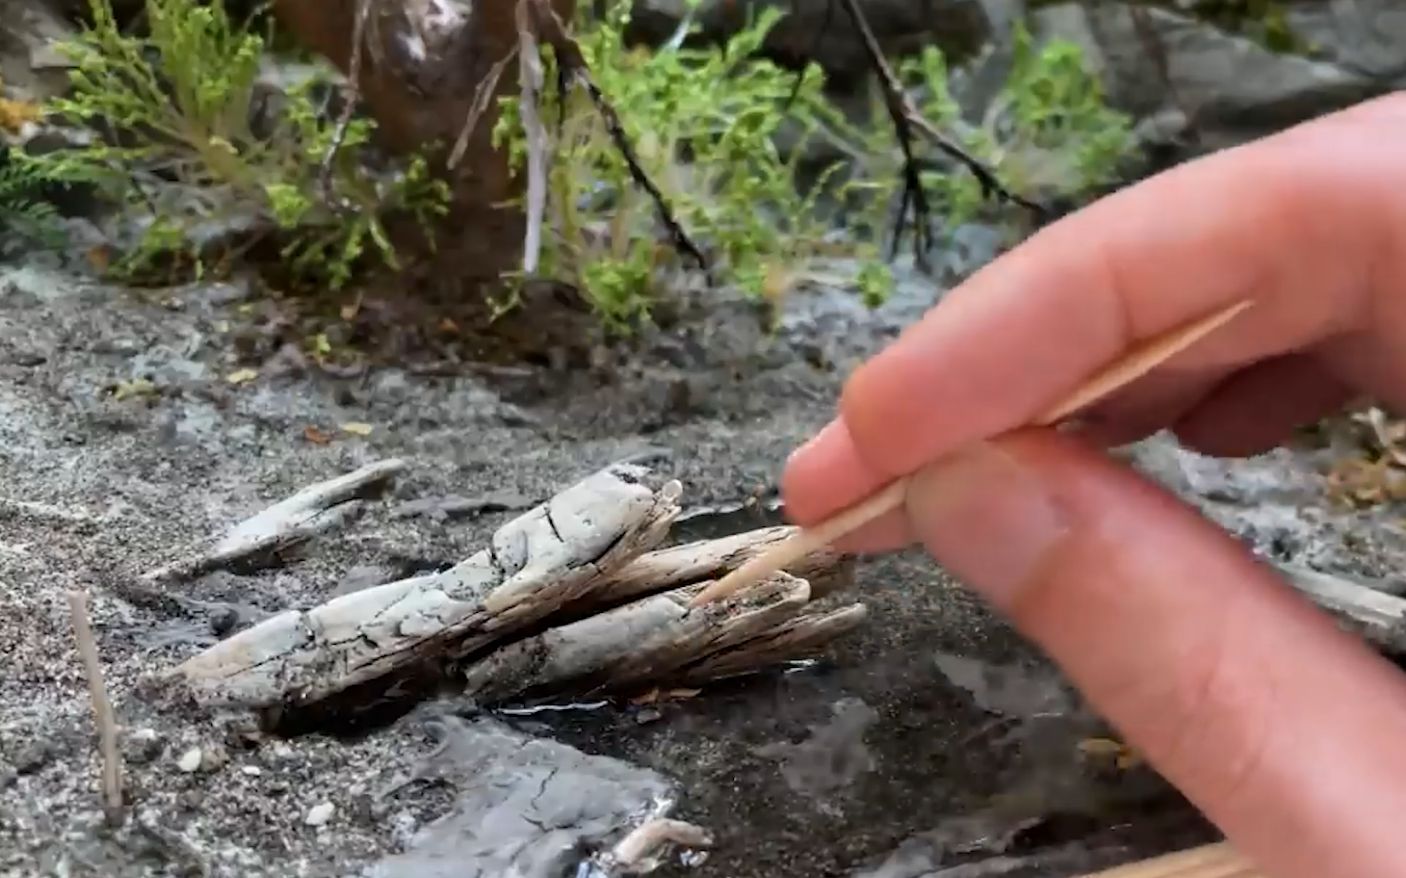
(987, 518)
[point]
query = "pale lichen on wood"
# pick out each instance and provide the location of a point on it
(535, 564)
(567, 594)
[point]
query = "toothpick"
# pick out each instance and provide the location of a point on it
(1121, 373)
(1210, 861)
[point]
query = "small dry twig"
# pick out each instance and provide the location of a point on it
(645, 840)
(483, 94)
(257, 540)
(102, 707)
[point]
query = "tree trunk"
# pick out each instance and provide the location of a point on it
(421, 64)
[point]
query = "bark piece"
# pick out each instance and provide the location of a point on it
(662, 640)
(559, 552)
(826, 570)
(313, 510)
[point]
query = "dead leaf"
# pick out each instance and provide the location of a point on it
(647, 697)
(357, 428)
(448, 326)
(137, 387)
(350, 310)
(681, 694)
(99, 258)
(242, 376)
(1106, 750)
(316, 436)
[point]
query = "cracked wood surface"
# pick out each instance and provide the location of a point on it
(661, 640)
(558, 552)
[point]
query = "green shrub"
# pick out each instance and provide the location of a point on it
(25, 217)
(706, 123)
(174, 112)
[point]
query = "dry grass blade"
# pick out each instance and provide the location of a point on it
(102, 707)
(1212, 861)
(1121, 373)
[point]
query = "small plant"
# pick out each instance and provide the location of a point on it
(705, 124)
(175, 113)
(24, 214)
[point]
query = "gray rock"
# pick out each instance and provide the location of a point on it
(1365, 36)
(1232, 88)
(526, 806)
(819, 29)
(29, 65)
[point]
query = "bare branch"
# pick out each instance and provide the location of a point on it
(538, 150)
(572, 67)
(483, 94)
(324, 178)
(102, 707)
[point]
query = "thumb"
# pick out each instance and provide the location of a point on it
(1286, 732)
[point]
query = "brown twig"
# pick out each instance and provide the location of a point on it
(102, 707)
(1116, 376)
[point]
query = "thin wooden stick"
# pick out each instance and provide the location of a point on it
(1121, 373)
(102, 707)
(1211, 861)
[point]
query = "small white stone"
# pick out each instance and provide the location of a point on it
(190, 760)
(252, 770)
(318, 815)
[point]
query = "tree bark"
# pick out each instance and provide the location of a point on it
(421, 64)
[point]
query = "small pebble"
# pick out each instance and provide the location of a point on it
(223, 620)
(318, 815)
(142, 746)
(190, 760)
(251, 770)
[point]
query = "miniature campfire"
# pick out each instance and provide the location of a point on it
(575, 594)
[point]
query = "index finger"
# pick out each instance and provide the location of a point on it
(1292, 222)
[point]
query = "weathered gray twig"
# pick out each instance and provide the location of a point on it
(660, 640)
(103, 716)
(259, 539)
(531, 81)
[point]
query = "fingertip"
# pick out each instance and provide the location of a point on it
(825, 475)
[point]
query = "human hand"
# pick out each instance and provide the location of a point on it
(1288, 733)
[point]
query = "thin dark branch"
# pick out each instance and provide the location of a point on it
(573, 68)
(324, 177)
(482, 95)
(907, 121)
(896, 101)
(820, 34)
